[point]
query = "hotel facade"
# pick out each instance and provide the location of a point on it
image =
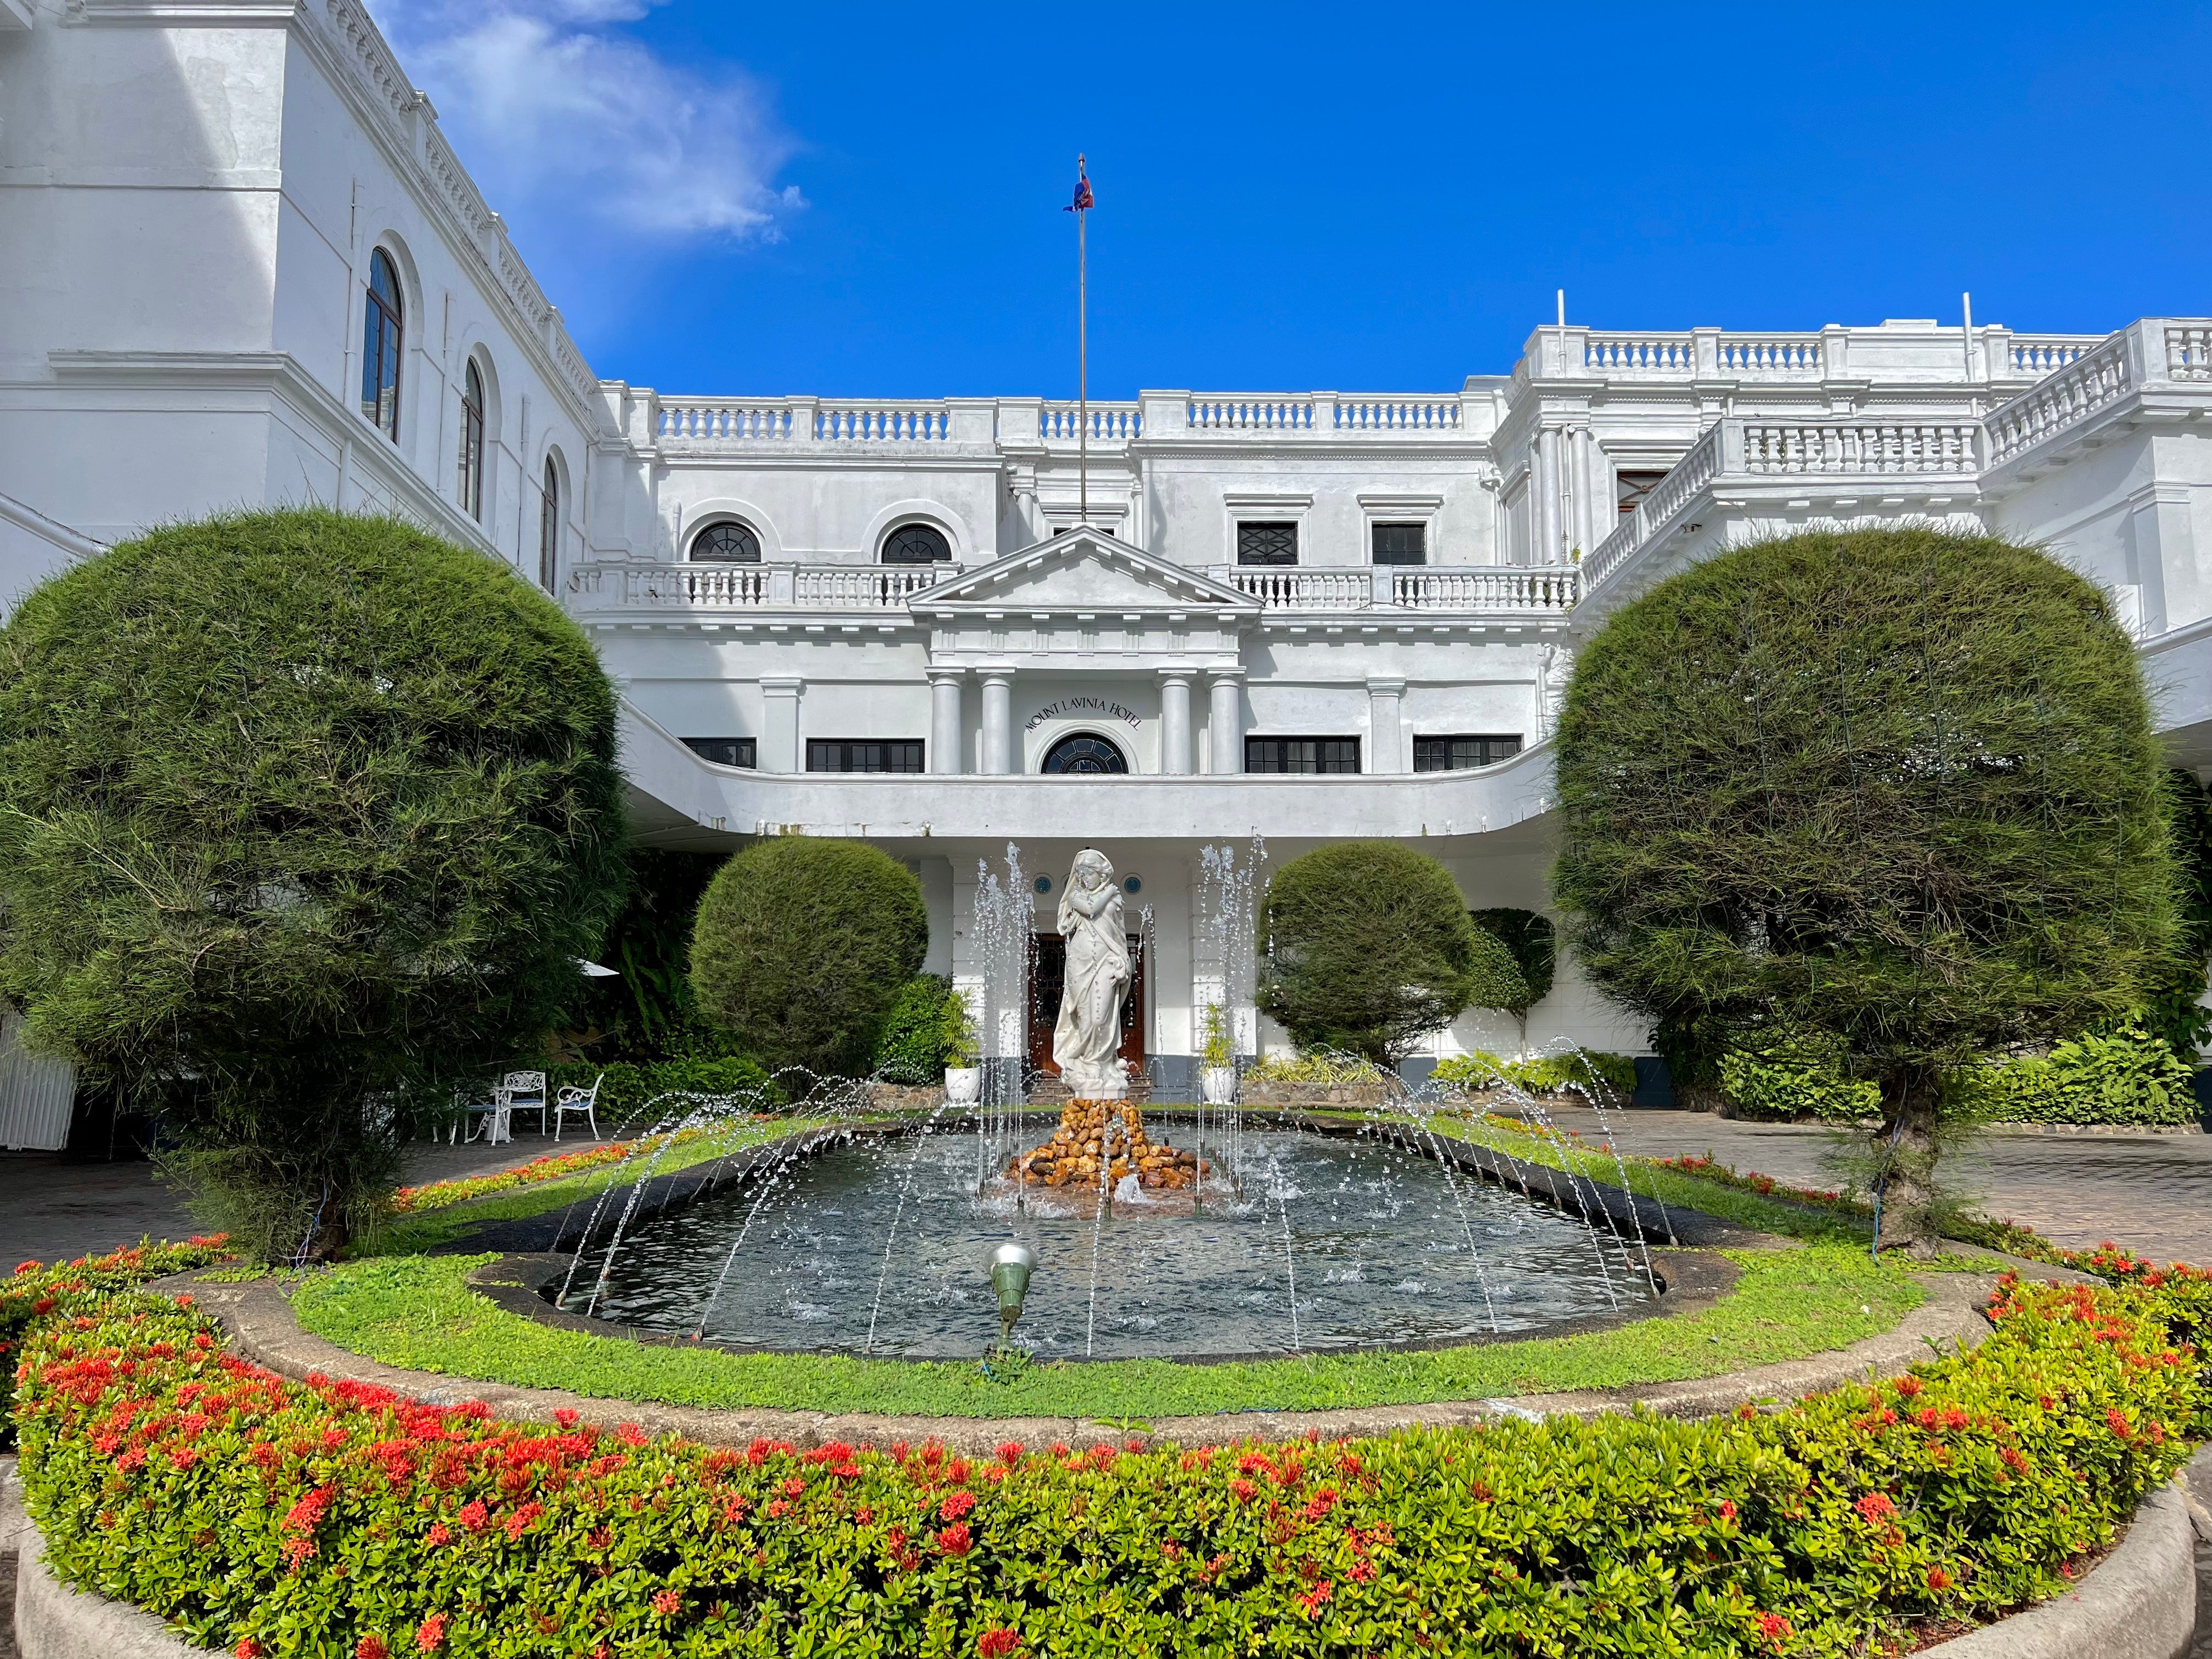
(1197, 629)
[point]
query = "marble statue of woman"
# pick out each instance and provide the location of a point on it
(1087, 1041)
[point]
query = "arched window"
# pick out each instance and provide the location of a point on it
(381, 336)
(549, 528)
(916, 544)
(472, 434)
(1084, 753)
(726, 542)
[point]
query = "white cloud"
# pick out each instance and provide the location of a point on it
(556, 114)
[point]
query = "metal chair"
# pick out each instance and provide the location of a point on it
(582, 1102)
(525, 1092)
(487, 1120)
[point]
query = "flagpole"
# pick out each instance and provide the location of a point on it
(1082, 365)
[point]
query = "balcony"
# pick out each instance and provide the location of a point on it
(678, 590)
(1518, 590)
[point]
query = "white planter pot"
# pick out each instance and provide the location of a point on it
(1217, 1084)
(963, 1084)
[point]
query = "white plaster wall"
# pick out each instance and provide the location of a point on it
(1189, 516)
(837, 508)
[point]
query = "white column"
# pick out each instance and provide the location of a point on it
(1225, 726)
(1175, 722)
(1388, 745)
(779, 750)
(947, 737)
(1583, 478)
(1547, 549)
(997, 721)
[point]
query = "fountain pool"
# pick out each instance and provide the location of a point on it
(1324, 1242)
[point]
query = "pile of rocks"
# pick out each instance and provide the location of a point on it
(1109, 1131)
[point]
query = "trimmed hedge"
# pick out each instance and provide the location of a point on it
(2122, 1075)
(1587, 1071)
(630, 1086)
(266, 1517)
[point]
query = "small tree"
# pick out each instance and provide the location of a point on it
(304, 818)
(802, 947)
(1368, 947)
(1528, 935)
(1898, 785)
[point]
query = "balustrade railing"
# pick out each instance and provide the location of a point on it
(752, 586)
(2059, 400)
(1505, 589)
(1770, 356)
(1303, 587)
(726, 420)
(1221, 412)
(1110, 423)
(1675, 356)
(882, 423)
(2034, 356)
(2189, 351)
(1771, 447)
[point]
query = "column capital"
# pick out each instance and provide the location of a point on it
(781, 685)
(1385, 685)
(1224, 676)
(939, 675)
(1178, 673)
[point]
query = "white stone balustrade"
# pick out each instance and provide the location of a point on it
(1777, 447)
(686, 587)
(1514, 590)
(2061, 399)
(2031, 356)
(2189, 351)
(1220, 412)
(1112, 425)
(1695, 354)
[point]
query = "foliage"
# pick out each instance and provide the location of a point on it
(419, 1311)
(628, 1087)
(929, 1029)
(1326, 1066)
(801, 947)
(304, 818)
(1899, 785)
(1214, 1051)
(2118, 1074)
(1368, 947)
(1584, 1072)
(2173, 1014)
(553, 1166)
(69, 1289)
(268, 1516)
(1528, 935)
(1781, 1076)
(647, 1011)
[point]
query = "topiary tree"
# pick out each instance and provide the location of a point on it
(802, 947)
(304, 819)
(1895, 785)
(1528, 936)
(1368, 947)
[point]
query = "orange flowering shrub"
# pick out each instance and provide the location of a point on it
(273, 1517)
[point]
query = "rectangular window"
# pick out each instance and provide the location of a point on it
(726, 751)
(1630, 488)
(1301, 754)
(863, 755)
(1402, 543)
(1459, 753)
(1271, 542)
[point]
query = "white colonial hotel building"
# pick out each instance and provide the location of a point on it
(241, 264)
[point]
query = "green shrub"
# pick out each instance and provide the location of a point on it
(1899, 785)
(1530, 936)
(67, 1289)
(1214, 1052)
(801, 947)
(2120, 1075)
(1367, 948)
(929, 1029)
(630, 1086)
(305, 819)
(1795, 1075)
(1608, 1076)
(647, 1011)
(1318, 1065)
(265, 1516)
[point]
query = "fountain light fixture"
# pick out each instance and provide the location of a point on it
(1010, 1277)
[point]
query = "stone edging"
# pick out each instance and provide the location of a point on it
(262, 1328)
(2140, 1602)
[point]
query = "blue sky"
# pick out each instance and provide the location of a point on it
(863, 199)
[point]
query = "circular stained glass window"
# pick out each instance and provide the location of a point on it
(1084, 753)
(726, 542)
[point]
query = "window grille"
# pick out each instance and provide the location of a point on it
(1301, 754)
(863, 755)
(916, 544)
(1267, 543)
(726, 542)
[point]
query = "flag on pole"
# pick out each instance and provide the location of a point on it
(1082, 201)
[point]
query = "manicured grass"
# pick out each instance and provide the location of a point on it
(420, 1312)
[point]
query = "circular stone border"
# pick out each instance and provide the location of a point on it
(2139, 1602)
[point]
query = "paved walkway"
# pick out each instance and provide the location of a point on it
(52, 1210)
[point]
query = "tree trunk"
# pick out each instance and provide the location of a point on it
(1905, 1153)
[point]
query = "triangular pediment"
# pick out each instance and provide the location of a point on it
(1083, 570)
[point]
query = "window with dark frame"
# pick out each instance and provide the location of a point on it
(1301, 754)
(864, 754)
(916, 544)
(1630, 488)
(1462, 752)
(728, 542)
(472, 442)
(549, 528)
(726, 751)
(1269, 541)
(1402, 543)
(382, 337)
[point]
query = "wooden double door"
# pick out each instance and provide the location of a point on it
(1048, 978)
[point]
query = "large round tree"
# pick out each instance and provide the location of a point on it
(802, 946)
(1898, 785)
(1368, 947)
(304, 820)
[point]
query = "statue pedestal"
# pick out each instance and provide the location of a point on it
(1108, 1135)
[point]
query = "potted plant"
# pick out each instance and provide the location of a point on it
(963, 1078)
(1217, 1061)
